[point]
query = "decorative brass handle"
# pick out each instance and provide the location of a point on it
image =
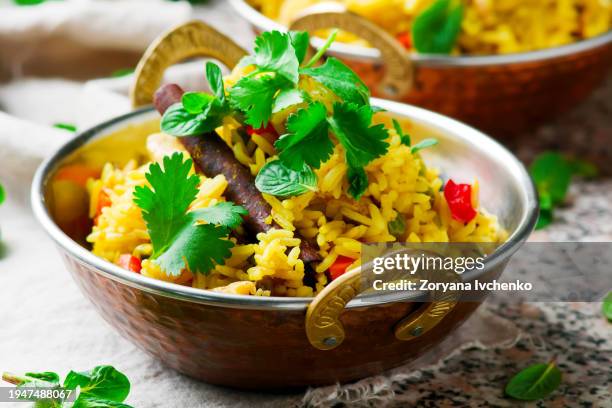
(399, 72)
(325, 331)
(192, 39)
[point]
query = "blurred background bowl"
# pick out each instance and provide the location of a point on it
(500, 94)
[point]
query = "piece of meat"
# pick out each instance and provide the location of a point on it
(213, 156)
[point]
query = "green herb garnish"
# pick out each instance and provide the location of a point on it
(274, 85)
(198, 112)
(101, 387)
(423, 144)
(66, 126)
(606, 307)
(435, 30)
(397, 227)
(407, 141)
(2, 194)
(28, 2)
(552, 174)
(404, 137)
(181, 238)
(535, 382)
(276, 179)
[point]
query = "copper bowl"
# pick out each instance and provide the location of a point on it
(262, 343)
(500, 94)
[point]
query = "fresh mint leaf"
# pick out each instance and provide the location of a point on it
(358, 181)
(177, 121)
(180, 239)
(361, 141)
(103, 382)
(47, 376)
(341, 80)
(214, 76)
(300, 41)
(276, 179)
(423, 144)
(435, 30)
(287, 98)
(606, 307)
(308, 138)
(254, 96)
(196, 102)
(274, 52)
(535, 382)
(405, 138)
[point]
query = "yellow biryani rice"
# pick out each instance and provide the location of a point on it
(488, 27)
(400, 183)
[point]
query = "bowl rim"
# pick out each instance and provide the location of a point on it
(468, 135)
(256, 19)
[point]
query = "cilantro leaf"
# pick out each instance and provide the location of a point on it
(287, 98)
(341, 80)
(214, 76)
(164, 204)
(225, 213)
(254, 96)
(179, 238)
(274, 52)
(308, 141)
(276, 179)
(405, 138)
(300, 41)
(362, 142)
(196, 247)
(423, 144)
(436, 29)
(358, 182)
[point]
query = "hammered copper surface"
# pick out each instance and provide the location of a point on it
(254, 349)
(503, 99)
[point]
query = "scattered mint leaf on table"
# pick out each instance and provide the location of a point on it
(66, 126)
(28, 2)
(606, 307)
(180, 238)
(276, 179)
(535, 382)
(2, 194)
(435, 30)
(103, 382)
(308, 138)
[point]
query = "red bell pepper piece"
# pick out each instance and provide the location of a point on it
(130, 262)
(405, 39)
(459, 199)
(262, 130)
(340, 266)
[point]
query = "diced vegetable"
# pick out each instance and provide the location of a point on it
(103, 201)
(459, 199)
(78, 173)
(269, 129)
(129, 262)
(339, 267)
